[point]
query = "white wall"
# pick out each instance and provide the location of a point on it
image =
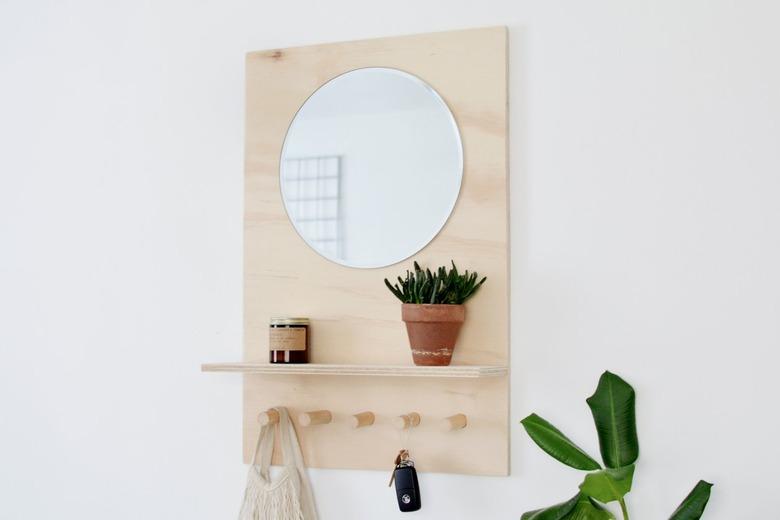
(645, 182)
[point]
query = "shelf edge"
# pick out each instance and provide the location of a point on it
(456, 371)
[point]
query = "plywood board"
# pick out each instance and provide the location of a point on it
(354, 319)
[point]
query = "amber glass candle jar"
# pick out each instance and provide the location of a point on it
(289, 340)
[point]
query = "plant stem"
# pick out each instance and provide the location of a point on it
(623, 509)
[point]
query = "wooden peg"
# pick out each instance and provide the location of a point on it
(315, 417)
(269, 416)
(406, 421)
(455, 422)
(362, 419)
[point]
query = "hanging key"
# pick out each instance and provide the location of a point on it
(407, 488)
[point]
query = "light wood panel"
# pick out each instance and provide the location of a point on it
(354, 319)
(479, 449)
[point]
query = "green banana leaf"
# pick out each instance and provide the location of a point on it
(608, 485)
(613, 409)
(587, 509)
(556, 512)
(693, 506)
(557, 445)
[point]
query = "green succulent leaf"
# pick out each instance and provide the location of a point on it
(440, 287)
(556, 512)
(394, 289)
(435, 290)
(693, 506)
(613, 409)
(608, 484)
(557, 445)
(588, 509)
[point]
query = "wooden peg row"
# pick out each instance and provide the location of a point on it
(455, 422)
(406, 421)
(363, 419)
(315, 417)
(359, 420)
(267, 417)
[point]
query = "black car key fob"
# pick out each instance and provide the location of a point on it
(407, 489)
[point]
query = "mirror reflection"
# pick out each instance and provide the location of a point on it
(371, 167)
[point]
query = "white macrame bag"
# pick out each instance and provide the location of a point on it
(287, 498)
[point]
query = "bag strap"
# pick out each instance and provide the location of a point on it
(293, 458)
(291, 455)
(264, 448)
(288, 441)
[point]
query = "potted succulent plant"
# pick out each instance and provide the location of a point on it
(433, 310)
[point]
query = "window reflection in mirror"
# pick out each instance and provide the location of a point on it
(371, 167)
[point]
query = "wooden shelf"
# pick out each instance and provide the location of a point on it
(455, 371)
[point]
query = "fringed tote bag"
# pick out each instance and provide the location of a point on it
(287, 498)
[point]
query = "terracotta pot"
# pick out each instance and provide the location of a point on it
(433, 331)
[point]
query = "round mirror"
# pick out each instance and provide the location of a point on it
(371, 167)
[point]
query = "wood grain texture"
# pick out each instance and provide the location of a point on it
(354, 319)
